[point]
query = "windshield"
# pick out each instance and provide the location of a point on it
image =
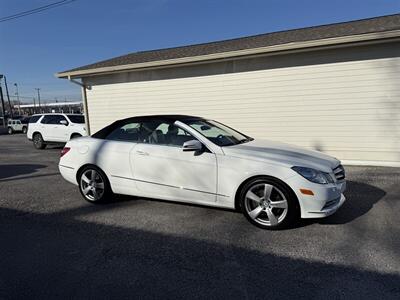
(76, 119)
(218, 133)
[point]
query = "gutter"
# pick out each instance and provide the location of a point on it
(376, 36)
(84, 100)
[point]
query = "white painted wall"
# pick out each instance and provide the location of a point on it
(350, 110)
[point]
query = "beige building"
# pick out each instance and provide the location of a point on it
(335, 88)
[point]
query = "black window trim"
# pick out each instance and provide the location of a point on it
(53, 116)
(102, 133)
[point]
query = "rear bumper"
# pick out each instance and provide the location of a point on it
(68, 173)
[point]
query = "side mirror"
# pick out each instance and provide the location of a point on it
(192, 145)
(64, 122)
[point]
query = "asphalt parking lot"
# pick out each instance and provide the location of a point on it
(53, 244)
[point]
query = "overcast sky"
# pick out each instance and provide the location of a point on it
(35, 47)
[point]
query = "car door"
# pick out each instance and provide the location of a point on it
(18, 125)
(162, 169)
(59, 131)
(112, 155)
(45, 127)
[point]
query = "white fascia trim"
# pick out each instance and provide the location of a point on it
(222, 55)
(371, 163)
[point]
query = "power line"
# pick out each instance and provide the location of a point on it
(35, 10)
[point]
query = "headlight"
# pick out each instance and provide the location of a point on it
(314, 175)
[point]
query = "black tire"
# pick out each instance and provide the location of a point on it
(282, 217)
(24, 130)
(75, 135)
(38, 142)
(88, 189)
(10, 130)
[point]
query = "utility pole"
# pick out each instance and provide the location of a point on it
(17, 94)
(2, 105)
(38, 95)
(34, 105)
(9, 103)
(8, 97)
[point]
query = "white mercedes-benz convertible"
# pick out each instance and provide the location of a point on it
(196, 160)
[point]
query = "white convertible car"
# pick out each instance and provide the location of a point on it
(196, 160)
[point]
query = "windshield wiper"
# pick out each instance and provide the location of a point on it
(245, 140)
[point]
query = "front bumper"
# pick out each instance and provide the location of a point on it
(327, 210)
(327, 198)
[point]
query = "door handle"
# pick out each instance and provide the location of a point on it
(142, 153)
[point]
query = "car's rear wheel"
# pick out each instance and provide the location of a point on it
(268, 203)
(24, 130)
(10, 130)
(38, 142)
(94, 185)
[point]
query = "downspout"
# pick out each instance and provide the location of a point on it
(84, 99)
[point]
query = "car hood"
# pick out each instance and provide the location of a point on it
(281, 153)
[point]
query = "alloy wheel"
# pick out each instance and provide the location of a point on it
(37, 140)
(266, 204)
(92, 185)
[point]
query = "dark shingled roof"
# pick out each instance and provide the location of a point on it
(373, 25)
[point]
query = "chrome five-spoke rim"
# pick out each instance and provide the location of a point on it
(266, 204)
(92, 185)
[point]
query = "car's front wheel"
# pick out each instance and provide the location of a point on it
(10, 130)
(268, 203)
(94, 185)
(24, 130)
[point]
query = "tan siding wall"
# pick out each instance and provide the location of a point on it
(348, 109)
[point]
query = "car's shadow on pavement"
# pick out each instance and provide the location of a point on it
(360, 199)
(11, 170)
(56, 255)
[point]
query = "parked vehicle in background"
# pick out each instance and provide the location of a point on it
(20, 125)
(196, 160)
(55, 128)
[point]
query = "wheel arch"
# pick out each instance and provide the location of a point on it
(239, 189)
(74, 134)
(36, 132)
(81, 168)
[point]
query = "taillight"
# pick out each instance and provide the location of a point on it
(64, 151)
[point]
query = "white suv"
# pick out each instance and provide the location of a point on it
(55, 128)
(16, 126)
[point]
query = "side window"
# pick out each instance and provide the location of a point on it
(34, 119)
(126, 132)
(55, 120)
(165, 133)
(47, 119)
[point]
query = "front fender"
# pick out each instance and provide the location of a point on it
(233, 171)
